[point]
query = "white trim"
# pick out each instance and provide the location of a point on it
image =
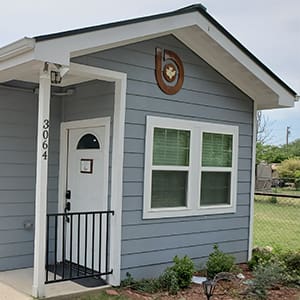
(120, 80)
(251, 219)
(193, 194)
(38, 285)
(98, 40)
(17, 48)
(117, 177)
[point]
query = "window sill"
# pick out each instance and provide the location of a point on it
(186, 212)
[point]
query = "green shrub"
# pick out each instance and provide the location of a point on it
(174, 278)
(288, 263)
(168, 281)
(291, 261)
(265, 277)
(218, 262)
(261, 256)
(288, 168)
(184, 270)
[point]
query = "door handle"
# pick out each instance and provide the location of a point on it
(68, 206)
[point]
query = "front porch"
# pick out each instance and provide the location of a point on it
(17, 284)
(55, 242)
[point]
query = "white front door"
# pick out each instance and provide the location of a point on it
(86, 192)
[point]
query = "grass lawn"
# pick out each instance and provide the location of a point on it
(100, 295)
(277, 224)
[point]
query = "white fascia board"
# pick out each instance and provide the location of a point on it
(16, 53)
(284, 97)
(16, 48)
(60, 50)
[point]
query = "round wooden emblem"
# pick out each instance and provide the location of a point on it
(169, 71)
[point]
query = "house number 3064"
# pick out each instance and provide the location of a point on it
(45, 142)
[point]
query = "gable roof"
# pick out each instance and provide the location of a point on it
(192, 25)
(196, 7)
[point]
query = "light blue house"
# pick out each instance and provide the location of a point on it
(125, 144)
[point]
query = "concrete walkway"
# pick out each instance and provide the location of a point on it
(8, 293)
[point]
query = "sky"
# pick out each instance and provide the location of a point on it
(270, 29)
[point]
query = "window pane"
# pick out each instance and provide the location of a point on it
(88, 141)
(169, 188)
(171, 147)
(216, 150)
(215, 188)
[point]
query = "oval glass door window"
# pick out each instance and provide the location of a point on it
(88, 141)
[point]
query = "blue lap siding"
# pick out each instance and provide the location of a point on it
(148, 246)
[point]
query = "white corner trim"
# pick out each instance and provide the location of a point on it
(193, 207)
(117, 178)
(251, 218)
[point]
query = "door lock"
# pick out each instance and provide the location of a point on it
(68, 194)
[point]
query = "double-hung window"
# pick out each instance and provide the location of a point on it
(190, 168)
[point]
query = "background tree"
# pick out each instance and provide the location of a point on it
(294, 148)
(263, 128)
(270, 153)
(289, 168)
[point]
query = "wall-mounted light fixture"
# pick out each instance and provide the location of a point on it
(55, 77)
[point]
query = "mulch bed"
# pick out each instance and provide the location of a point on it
(225, 290)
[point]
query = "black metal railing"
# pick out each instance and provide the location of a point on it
(77, 245)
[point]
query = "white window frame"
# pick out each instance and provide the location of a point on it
(194, 168)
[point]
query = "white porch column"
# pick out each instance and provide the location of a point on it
(38, 287)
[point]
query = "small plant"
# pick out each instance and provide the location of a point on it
(174, 278)
(184, 270)
(169, 282)
(261, 256)
(218, 262)
(291, 261)
(273, 200)
(150, 286)
(143, 285)
(265, 277)
(128, 281)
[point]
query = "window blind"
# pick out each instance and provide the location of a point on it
(216, 150)
(215, 188)
(171, 147)
(169, 188)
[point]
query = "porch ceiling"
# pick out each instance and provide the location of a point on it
(30, 72)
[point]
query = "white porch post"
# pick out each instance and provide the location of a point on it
(38, 287)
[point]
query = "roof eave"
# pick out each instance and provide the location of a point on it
(17, 48)
(59, 48)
